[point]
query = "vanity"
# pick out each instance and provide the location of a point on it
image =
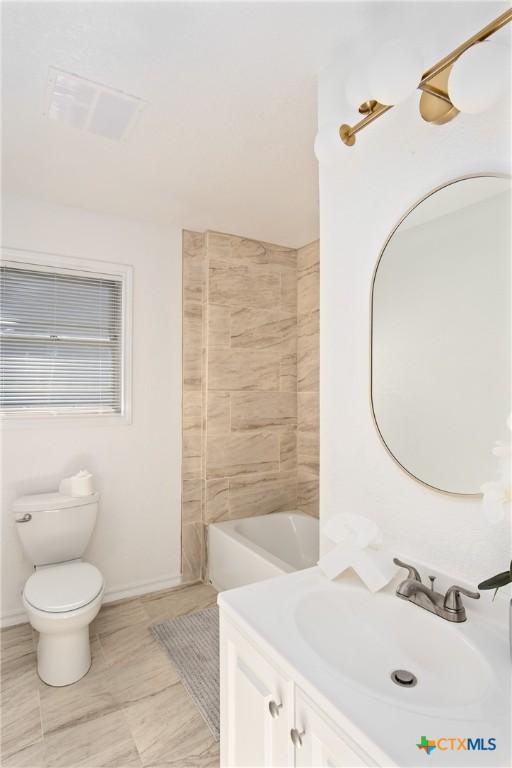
(307, 677)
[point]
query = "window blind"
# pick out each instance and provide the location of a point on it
(60, 342)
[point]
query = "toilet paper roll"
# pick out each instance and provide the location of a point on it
(81, 484)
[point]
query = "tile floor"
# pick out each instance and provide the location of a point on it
(129, 710)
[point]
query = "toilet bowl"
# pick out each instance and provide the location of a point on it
(61, 601)
(64, 594)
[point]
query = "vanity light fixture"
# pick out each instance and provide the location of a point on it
(437, 104)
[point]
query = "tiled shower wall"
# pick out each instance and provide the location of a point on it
(308, 380)
(250, 364)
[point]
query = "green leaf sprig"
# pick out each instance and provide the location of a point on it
(495, 582)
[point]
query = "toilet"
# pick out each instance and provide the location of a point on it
(64, 594)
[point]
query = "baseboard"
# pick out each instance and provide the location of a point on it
(111, 596)
(141, 588)
(12, 618)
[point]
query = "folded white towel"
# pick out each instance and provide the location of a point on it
(354, 529)
(359, 547)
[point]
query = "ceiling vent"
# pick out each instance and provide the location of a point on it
(90, 106)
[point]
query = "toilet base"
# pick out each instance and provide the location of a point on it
(63, 649)
(64, 658)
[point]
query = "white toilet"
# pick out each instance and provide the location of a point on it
(64, 594)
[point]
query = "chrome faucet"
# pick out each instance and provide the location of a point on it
(448, 606)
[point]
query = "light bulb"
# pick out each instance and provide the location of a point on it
(394, 72)
(328, 143)
(479, 77)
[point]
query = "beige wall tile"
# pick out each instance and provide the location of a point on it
(308, 279)
(192, 444)
(218, 246)
(193, 266)
(193, 244)
(308, 411)
(192, 344)
(288, 373)
(192, 550)
(191, 500)
(242, 286)
(308, 352)
(217, 500)
(241, 369)
(192, 546)
(259, 495)
(263, 410)
(308, 450)
(288, 451)
(266, 254)
(289, 289)
(308, 345)
(256, 353)
(307, 497)
(191, 410)
(191, 468)
(218, 325)
(274, 329)
(193, 543)
(218, 412)
(309, 257)
(242, 453)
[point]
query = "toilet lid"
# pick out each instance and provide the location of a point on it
(63, 587)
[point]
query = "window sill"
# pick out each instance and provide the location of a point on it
(64, 420)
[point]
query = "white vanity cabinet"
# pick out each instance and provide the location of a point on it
(267, 719)
(323, 746)
(256, 706)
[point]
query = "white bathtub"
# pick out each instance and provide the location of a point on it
(256, 548)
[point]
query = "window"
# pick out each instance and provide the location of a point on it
(62, 341)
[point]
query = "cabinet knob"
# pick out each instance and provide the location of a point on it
(296, 737)
(274, 708)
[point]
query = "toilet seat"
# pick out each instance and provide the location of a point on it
(64, 587)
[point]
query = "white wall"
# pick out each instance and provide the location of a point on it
(136, 544)
(363, 193)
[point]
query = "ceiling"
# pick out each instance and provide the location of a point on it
(226, 140)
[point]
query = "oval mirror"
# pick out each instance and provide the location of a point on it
(440, 348)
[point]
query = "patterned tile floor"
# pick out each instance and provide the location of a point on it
(129, 710)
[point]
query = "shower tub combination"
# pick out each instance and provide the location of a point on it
(256, 548)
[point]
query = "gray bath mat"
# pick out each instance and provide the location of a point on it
(192, 642)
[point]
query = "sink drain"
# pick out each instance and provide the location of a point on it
(404, 678)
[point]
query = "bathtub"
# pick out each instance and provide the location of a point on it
(256, 548)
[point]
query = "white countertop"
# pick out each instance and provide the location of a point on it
(386, 727)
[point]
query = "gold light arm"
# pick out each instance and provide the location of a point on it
(348, 133)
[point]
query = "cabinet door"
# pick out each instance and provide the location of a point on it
(322, 743)
(256, 706)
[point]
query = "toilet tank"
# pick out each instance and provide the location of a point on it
(54, 528)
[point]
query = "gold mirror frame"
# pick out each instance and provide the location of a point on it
(381, 254)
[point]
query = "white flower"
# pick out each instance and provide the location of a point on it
(497, 493)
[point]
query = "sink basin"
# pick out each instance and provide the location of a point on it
(340, 642)
(371, 635)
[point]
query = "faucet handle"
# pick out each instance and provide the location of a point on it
(413, 573)
(453, 600)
